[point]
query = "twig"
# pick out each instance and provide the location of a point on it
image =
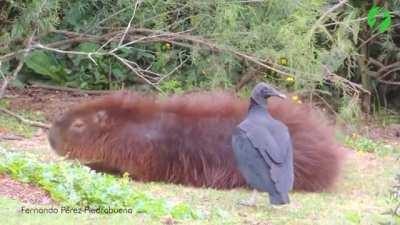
(376, 62)
(26, 121)
(334, 77)
(172, 71)
(19, 67)
(137, 2)
(387, 73)
(326, 103)
(124, 61)
(389, 82)
(67, 89)
(319, 21)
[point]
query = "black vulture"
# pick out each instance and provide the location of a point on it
(263, 149)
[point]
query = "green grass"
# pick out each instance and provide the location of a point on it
(75, 186)
(364, 144)
(362, 196)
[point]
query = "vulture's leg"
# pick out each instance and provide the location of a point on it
(251, 201)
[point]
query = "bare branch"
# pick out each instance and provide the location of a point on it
(17, 69)
(26, 121)
(126, 63)
(172, 71)
(320, 20)
(67, 89)
(137, 2)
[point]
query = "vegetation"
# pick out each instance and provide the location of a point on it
(74, 185)
(342, 54)
(396, 195)
(364, 144)
(367, 182)
(331, 50)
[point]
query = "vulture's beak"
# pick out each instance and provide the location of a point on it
(281, 95)
(278, 94)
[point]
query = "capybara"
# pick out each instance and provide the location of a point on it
(187, 139)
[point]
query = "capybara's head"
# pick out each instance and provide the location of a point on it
(87, 131)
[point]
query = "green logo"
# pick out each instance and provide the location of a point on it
(385, 22)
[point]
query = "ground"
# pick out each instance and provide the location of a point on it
(361, 196)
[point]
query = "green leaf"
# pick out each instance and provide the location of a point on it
(46, 64)
(88, 47)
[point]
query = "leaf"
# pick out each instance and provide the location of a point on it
(88, 47)
(46, 64)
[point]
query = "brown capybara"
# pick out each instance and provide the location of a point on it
(187, 139)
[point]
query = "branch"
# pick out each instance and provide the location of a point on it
(19, 67)
(353, 86)
(389, 82)
(26, 121)
(319, 21)
(67, 89)
(130, 23)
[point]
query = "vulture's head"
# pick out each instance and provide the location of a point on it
(263, 91)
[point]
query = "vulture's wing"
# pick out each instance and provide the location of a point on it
(265, 142)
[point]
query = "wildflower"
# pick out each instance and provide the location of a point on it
(300, 102)
(126, 174)
(283, 61)
(168, 45)
(290, 79)
(295, 97)
(204, 72)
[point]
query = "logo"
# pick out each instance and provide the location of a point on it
(383, 14)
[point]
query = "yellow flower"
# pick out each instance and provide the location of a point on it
(290, 78)
(168, 45)
(126, 174)
(353, 135)
(295, 97)
(283, 61)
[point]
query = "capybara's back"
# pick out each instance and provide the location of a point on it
(187, 139)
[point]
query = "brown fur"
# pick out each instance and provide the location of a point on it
(187, 139)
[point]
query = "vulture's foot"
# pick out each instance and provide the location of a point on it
(250, 202)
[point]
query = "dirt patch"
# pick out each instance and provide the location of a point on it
(51, 103)
(390, 133)
(24, 192)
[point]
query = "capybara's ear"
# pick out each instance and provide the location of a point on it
(100, 118)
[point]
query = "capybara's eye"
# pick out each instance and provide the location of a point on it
(78, 125)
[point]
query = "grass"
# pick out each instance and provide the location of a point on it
(364, 144)
(74, 185)
(361, 197)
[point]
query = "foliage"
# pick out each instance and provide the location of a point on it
(349, 111)
(314, 41)
(396, 195)
(364, 186)
(363, 144)
(77, 186)
(264, 29)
